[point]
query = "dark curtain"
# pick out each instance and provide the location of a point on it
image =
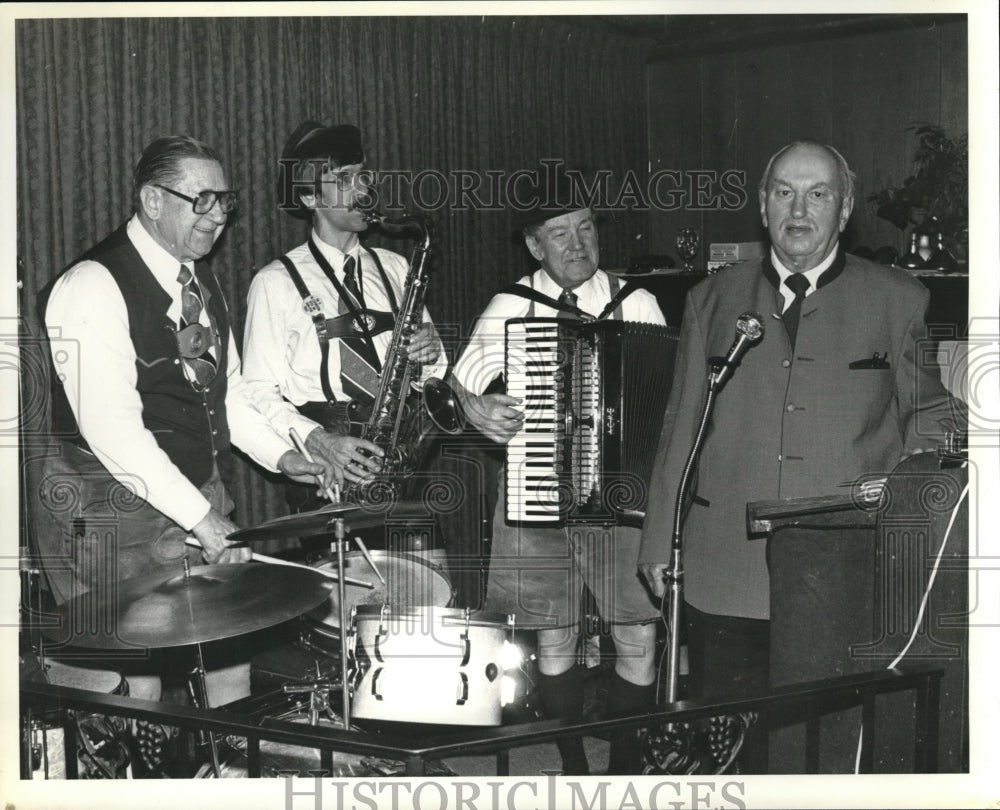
(444, 93)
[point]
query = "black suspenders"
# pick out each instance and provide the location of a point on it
(618, 294)
(314, 308)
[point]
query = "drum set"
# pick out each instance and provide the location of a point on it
(375, 627)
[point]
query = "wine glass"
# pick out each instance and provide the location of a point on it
(687, 246)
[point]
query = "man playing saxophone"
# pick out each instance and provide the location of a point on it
(290, 352)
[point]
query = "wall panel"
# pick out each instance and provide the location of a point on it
(857, 92)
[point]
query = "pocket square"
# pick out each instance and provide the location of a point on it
(876, 361)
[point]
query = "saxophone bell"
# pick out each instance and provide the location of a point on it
(443, 407)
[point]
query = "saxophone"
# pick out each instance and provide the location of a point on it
(405, 423)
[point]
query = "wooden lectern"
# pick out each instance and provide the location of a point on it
(847, 581)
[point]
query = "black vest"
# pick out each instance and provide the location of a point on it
(190, 427)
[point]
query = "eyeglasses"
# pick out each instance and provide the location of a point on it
(351, 180)
(206, 200)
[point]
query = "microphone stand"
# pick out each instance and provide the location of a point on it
(711, 745)
(748, 332)
(674, 576)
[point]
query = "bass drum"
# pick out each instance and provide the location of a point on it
(428, 665)
(409, 582)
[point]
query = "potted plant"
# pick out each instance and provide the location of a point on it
(937, 189)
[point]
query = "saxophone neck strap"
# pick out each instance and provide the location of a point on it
(385, 279)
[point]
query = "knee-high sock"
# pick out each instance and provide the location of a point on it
(562, 696)
(625, 697)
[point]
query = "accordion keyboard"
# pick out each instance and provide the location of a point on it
(534, 455)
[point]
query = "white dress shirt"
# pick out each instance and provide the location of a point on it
(483, 359)
(86, 311)
(281, 351)
(813, 275)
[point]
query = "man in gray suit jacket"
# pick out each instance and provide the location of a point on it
(836, 393)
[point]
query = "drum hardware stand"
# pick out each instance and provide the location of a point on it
(34, 735)
(318, 689)
(200, 693)
(339, 542)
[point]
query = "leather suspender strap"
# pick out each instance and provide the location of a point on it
(345, 297)
(617, 296)
(542, 298)
(314, 310)
(614, 306)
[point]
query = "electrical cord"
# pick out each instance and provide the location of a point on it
(923, 607)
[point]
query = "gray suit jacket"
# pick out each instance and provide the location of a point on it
(788, 426)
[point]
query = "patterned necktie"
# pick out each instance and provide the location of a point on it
(194, 340)
(359, 364)
(569, 298)
(351, 280)
(799, 285)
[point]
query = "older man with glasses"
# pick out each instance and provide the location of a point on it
(148, 395)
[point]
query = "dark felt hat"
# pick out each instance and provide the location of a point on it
(548, 192)
(311, 141)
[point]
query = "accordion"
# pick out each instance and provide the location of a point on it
(593, 395)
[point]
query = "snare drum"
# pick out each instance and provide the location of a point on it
(409, 581)
(428, 664)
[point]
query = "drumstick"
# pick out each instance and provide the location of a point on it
(368, 557)
(193, 541)
(301, 447)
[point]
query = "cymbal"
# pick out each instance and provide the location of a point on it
(210, 603)
(320, 521)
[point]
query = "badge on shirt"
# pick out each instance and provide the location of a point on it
(313, 305)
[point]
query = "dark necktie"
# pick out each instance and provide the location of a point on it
(194, 340)
(568, 297)
(799, 285)
(359, 365)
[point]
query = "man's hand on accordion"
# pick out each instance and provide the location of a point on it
(494, 416)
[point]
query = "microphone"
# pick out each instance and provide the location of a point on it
(749, 331)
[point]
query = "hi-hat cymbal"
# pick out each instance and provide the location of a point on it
(210, 603)
(321, 521)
